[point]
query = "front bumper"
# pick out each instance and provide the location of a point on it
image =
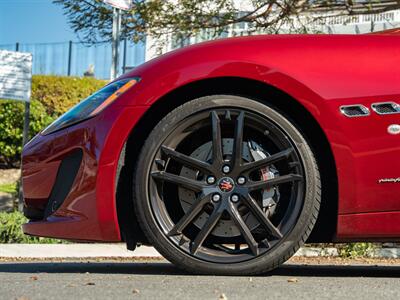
(68, 178)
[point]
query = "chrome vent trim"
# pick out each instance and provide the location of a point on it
(355, 111)
(386, 108)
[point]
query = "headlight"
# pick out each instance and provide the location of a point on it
(92, 105)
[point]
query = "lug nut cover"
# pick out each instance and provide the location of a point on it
(216, 197)
(241, 180)
(235, 198)
(210, 179)
(226, 169)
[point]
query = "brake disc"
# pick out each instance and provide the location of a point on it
(226, 227)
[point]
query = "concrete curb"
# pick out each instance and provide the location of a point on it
(73, 251)
(314, 252)
(386, 253)
(42, 251)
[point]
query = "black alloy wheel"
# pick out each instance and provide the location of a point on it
(226, 185)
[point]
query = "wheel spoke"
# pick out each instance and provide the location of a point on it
(216, 138)
(260, 215)
(186, 160)
(244, 229)
(266, 161)
(206, 230)
(190, 215)
(238, 141)
(223, 187)
(258, 185)
(190, 184)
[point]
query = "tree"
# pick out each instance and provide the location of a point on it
(92, 19)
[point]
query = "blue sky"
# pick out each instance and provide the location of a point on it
(33, 21)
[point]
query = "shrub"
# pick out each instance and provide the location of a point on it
(11, 230)
(11, 127)
(51, 96)
(354, 250)
(58, 94)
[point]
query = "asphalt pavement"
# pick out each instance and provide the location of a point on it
(161, 280)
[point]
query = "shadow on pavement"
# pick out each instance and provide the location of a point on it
(164, 268)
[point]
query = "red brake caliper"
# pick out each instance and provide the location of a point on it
(268, 203)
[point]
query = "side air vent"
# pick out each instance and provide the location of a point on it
(66, 174)
(386, 108)
(353, 111)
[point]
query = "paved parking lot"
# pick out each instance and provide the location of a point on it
(161, 280)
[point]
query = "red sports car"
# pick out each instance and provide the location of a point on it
(228, 155)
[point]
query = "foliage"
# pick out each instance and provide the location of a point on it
(11, 231)
(11, 127)
(10, 188)
(51, 96)
(58, 94)
(353, 250)
(92, 19)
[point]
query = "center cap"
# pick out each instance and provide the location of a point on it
(226, 184)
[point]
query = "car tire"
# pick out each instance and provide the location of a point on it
(172, 176)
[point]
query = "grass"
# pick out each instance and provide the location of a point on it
(11, 231)
(10, 188)
(11, 222)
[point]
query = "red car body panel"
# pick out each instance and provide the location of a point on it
(321, 72)
(89, 211)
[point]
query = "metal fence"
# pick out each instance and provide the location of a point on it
(74, 59)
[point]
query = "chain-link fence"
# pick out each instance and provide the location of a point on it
(74, 59)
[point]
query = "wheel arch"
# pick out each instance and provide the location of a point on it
(325, 228)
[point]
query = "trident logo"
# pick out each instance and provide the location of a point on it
(226, 185)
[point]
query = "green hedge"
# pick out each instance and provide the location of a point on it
(58, 94)
(11, 230)
(51, 96)
(11, 127)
